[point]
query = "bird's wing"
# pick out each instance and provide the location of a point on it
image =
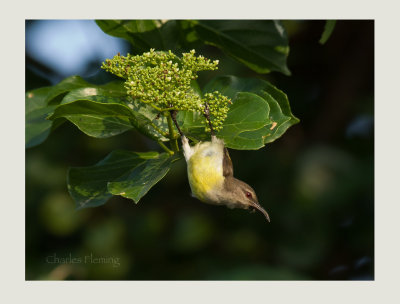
(227, 164)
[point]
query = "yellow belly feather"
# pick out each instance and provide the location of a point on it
(205, 170)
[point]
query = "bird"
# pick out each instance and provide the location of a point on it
(210, 173)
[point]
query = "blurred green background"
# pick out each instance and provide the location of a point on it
(316, 182)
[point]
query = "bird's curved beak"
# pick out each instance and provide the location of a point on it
(258, 207)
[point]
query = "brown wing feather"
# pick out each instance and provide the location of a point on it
(227, 164)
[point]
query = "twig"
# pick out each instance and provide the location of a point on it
(172, 137)
(173, 115)
(207, 116)
(165, 148)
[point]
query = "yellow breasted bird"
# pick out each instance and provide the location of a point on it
(210, 174)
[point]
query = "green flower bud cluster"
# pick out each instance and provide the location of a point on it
(218, 107)
(163, 80)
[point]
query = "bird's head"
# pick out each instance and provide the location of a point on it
(241, 195)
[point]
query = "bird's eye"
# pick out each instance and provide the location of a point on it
(248, 194)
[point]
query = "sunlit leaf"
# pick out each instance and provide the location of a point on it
(247, 115)
(96, 93)
(280, 115)
(66, 85)
(106, 110)
(96, 119)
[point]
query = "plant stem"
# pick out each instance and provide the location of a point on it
(155, 107)
(169, 109)
(165, 148)
(161, 109)
(172, 137)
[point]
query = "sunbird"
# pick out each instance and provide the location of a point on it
(210, 173)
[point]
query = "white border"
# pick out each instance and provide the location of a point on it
(13, 287)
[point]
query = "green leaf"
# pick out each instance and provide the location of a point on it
(171, 34)
(37, 128)
(280, 115)
(148, 121)
(136, 183)
(97, 93)
(40, 103)
(36, 99)
(96, 119)
(179, 36)
(64, 86)
(142, 34)
(89, 186)
(247, 115)
(108, 114)
(243, 127)
(262, 45)
(329, 27)
(193, 125)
